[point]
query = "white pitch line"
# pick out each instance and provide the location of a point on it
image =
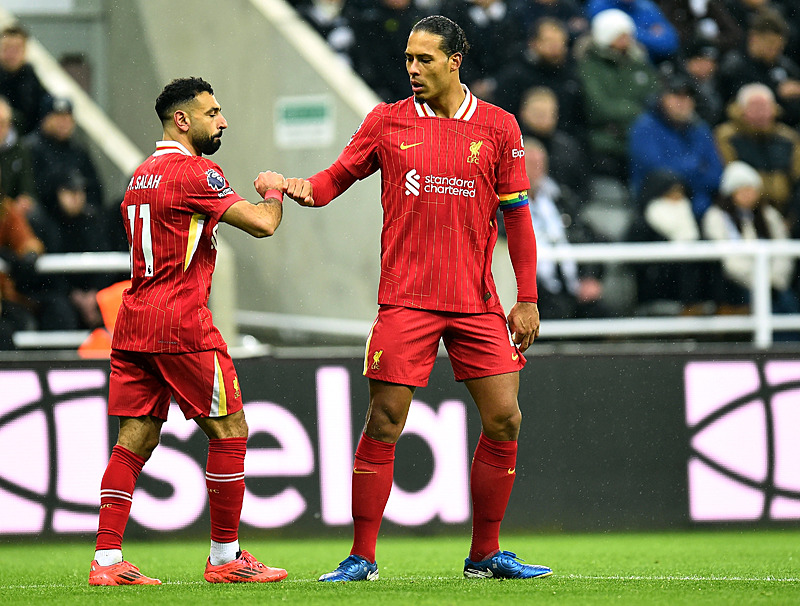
(680, 578)
(577, 577)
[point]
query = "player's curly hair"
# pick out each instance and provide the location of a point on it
(178, 92)
(454, 40)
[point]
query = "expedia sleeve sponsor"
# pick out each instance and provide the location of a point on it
(450, 186)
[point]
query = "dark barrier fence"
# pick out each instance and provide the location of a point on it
(610, 441)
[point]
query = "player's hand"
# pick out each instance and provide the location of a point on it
(523, 322)
(269, 180)
(301, 191)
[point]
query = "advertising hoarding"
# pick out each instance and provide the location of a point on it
(609, 442)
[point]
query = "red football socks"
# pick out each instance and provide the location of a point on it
(116, 496)
(491, 480)
(372, 482)
(225, 484)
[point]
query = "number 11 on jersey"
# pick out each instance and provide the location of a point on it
(146, 238)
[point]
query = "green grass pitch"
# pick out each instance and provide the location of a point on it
(702, 567)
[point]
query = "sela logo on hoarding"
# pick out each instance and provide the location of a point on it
(744, 419)
(58, 419)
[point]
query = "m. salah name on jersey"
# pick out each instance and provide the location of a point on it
(145, 182)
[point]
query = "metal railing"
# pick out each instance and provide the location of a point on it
(761, 322)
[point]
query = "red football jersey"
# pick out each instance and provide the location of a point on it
(171, 212)
(440, 182)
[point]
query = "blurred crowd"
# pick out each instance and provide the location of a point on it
(644, 121)
(51, 201)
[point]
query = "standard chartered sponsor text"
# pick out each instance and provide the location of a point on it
(450, 185)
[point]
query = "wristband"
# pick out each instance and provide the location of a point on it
(273, 194)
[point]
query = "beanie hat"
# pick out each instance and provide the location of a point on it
(610, 24)
(678, 83)
(739, 174)
(656, 184)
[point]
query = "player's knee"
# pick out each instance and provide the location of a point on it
(150, 445)
(220, 428)
(142, 447)
(503, 426)
(384, 426)
(242, 428)
(237, 425)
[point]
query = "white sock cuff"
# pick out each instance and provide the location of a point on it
(107, 557)
(222, 553)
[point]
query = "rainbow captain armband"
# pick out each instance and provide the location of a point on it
(515, 200)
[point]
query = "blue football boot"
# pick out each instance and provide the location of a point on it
(354, 568)
(504, 565)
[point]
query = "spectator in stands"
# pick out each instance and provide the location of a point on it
(545, 62)
(755, 136)
(80, 229)
(495, 36)
(701, 62)
(708, 21)
(538, 117)
(568, 12)
(565, 289)
(328, 18)
(17, 183)
(19, 82)
(653, 30)
(16, 170)
(381, 29)
(9, 321)
(741, 213)
(763, 60)
(790, 9)
(55, 150)
(744, 11)
(37, 301)
(424, 6)
(17, 242)
(671, 136)
(665, 214)
(617, 80)
(116, 238)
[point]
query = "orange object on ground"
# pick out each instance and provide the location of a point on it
(98, 343)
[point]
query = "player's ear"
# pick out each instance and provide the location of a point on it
(455, 61)
(181, 120)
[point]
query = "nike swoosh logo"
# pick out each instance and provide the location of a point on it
(512, 471)
(403, 146)
(363, 471)
(515, 357)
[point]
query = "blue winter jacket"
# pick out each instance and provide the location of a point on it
(653, 29)
(689, 151)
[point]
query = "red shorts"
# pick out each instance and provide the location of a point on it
(403, 343)
(203, 383)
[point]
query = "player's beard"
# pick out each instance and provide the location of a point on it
(207, 144)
